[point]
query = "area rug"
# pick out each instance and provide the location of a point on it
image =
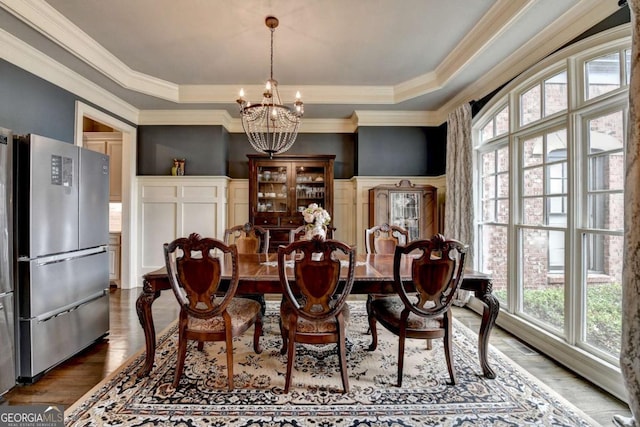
(514, 398)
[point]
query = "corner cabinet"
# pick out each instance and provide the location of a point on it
(413, 207)
(281, 187)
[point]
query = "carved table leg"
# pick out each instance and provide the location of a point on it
(489, 315)
(143, 307)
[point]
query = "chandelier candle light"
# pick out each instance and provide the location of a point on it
(270, 126)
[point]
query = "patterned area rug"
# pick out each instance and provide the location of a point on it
(514, 398)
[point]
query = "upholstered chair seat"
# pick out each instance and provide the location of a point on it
(243, 312)
(389, 314)
(316, 326)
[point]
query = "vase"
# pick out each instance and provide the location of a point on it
(316, 230)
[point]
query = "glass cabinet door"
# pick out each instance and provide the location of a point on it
(272, 188)
(310, 186)
(405, 212)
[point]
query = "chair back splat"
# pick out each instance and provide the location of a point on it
(248, 238)
(383, 239)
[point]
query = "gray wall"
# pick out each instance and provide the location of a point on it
(30, 104)
(342, 145)
(204, 148)
(400, 151)
(211, 150)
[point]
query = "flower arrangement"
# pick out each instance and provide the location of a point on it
(317, 219)
(315, 215)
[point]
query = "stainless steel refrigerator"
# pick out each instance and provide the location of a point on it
(61, 226)
(7, 328)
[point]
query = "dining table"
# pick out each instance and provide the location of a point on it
(258, 275)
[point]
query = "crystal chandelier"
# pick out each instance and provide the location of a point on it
(270, 126)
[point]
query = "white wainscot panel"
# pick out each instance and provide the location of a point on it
(199, 218)
(159, 191)
(238, 202)
(240, 214)
(158, 228)
(200, 192)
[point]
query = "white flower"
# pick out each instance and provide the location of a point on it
(314, 214)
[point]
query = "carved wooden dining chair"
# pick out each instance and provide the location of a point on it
(422, 307)
(297, 233)
(248, 238)
(383, 239)
(314, 308)
(194, 270)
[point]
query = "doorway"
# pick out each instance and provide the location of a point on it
(95, 117)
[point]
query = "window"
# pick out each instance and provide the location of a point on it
(530, 105)
(555, 94)
(602, 75)
(542, 226)
(547, 97)
(498, 125)
(494, 173)
(602, 236)
(550, 203)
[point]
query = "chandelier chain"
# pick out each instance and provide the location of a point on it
(271, 57)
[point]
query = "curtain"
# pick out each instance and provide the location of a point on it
(630, 345)
(458, 215)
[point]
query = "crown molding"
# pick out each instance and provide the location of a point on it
(497, 20)
(49, 22)
(222, 118)
(570, 25)
(185, 117)
(359, 118)
(198, 94)
(397, 118)
(29, 59)
(56, 27)
(613, 36)
(327, 126)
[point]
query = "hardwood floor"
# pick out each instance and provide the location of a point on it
(72, 379)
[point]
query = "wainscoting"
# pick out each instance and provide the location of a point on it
(170, 207)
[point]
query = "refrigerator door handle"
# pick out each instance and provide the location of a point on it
(71, 307)
(51, 259)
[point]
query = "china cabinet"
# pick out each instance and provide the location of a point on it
(413, 207)
(282, 187)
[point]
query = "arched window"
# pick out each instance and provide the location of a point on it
(549, 177)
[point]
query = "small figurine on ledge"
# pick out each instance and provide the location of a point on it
(178, 167)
